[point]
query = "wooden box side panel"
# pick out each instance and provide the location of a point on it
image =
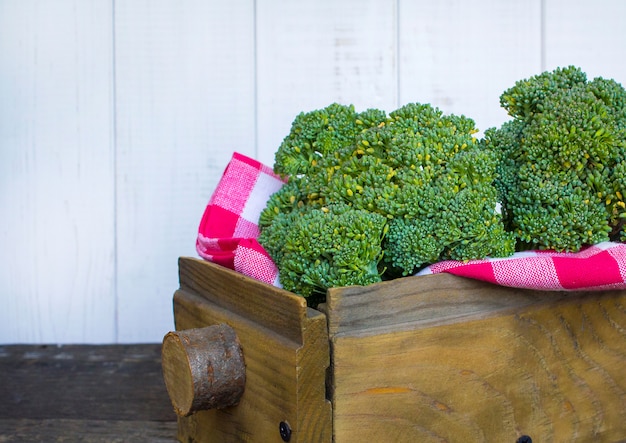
(276, 309)
(285, 379)
(414, 302)
(552, 371)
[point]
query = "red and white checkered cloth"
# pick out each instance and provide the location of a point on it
(598, 267)
(228, 232)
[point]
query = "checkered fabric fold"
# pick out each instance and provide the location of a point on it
(598, 267)
(228, 234)
(228, 231)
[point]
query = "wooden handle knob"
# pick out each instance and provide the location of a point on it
(203, 368)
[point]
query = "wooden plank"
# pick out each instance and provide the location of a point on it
(184, 103)
(87, 431)
(318, 53)
(56, 169)
(106, 393)
(592, 38)
(461, 56)
(280, 311)
(106, 382)
(285, 370)
(424, 301)
(552, 370)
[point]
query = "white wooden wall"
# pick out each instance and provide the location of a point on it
(118, 116)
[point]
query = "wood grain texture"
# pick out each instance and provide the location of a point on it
(87, 431)
(460, 56)
(56, 172)
(311, 54)
(106, 393)
(277, 310)
(203, 368)
(416, 302)
(550, 369)
(105, 382)
(589, 37)
(184, 103)
(285, 347)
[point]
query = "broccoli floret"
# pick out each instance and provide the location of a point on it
(316, 134)
(397, 192)
(528, 96)
(334, 245)
(429, 175)
(562, 159)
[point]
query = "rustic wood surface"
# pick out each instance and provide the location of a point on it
(428, 359)
(285, 348)
(106, 393)
(203, 368)
(458, 360)
(422, 301)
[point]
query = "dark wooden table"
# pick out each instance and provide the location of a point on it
(107, 393)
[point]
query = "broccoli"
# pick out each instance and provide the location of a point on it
(334, 245)
(316, 134)
(372, 197)
(562, 160)
(433, 180)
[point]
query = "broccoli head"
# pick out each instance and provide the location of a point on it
(434, 182)
(316, 134)
(562, 158)
(318, 248)
(375, 197)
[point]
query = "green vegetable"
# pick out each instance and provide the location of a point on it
(335, 245)
(318, 133)
(372, 197)
(563, 157)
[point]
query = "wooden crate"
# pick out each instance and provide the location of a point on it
(420, 359)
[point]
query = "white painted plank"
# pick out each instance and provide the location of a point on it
(56, 172)
(311, 54)
(195, 81)
(591, 36)
(185, 102)
(460, 56)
